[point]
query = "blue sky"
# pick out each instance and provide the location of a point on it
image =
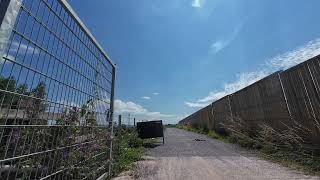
(176, 56)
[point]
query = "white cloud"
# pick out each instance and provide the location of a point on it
(141, 113)
(213, 96)
(23, 48)
(2, 60)
(297, 56)
(244, 79)
(196, 3)
(146, 97)
(218, 45)
(136, 109)
(155, 93)
(196, 104)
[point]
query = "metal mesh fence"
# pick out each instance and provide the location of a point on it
(56, 96)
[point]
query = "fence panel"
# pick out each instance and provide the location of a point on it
(302, 88)
(222, 114)
(200, 119)
(56, 96)
(261, 102)
(205, 117)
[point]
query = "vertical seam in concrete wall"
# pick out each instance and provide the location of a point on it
(306, 91)
(313, 80)
(315, 83)
(230, 108)
(212, 115)
(285, 96)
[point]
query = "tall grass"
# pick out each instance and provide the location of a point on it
(290, 146)
(127, 149)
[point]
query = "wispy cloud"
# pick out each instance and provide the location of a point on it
(281, 62)
(197, 3)
(195, 104)
(297, 56)
(219, 45)
(146, 97)
(155, 93)
(23, 48)
(243, 80)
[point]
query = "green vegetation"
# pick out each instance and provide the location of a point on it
(127, 149)
(303, 162)
(170, 126)
(270, 145)
(209, 133)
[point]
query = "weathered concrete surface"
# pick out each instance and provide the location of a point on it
(182, 157)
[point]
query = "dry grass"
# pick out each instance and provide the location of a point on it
(290, 146)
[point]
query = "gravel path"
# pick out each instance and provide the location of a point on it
(186, 155)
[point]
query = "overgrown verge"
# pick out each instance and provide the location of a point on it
(287, 147)
(127, 149)
(204, 131)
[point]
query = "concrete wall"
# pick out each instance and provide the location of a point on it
(276, 100)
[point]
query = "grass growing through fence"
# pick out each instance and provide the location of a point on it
(127, 149)
(270, 145)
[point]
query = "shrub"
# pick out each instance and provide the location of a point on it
(127, 148)
(134, 141)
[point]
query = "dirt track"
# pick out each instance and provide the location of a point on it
(183, 157)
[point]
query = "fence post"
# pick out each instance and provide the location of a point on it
(4, 4)
(9, 10)
(112, 109)
(119, 121)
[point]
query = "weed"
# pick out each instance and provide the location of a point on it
(207, 132)
(284, 147)
(127, 149)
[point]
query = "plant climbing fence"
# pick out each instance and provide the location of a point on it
(56, 94)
